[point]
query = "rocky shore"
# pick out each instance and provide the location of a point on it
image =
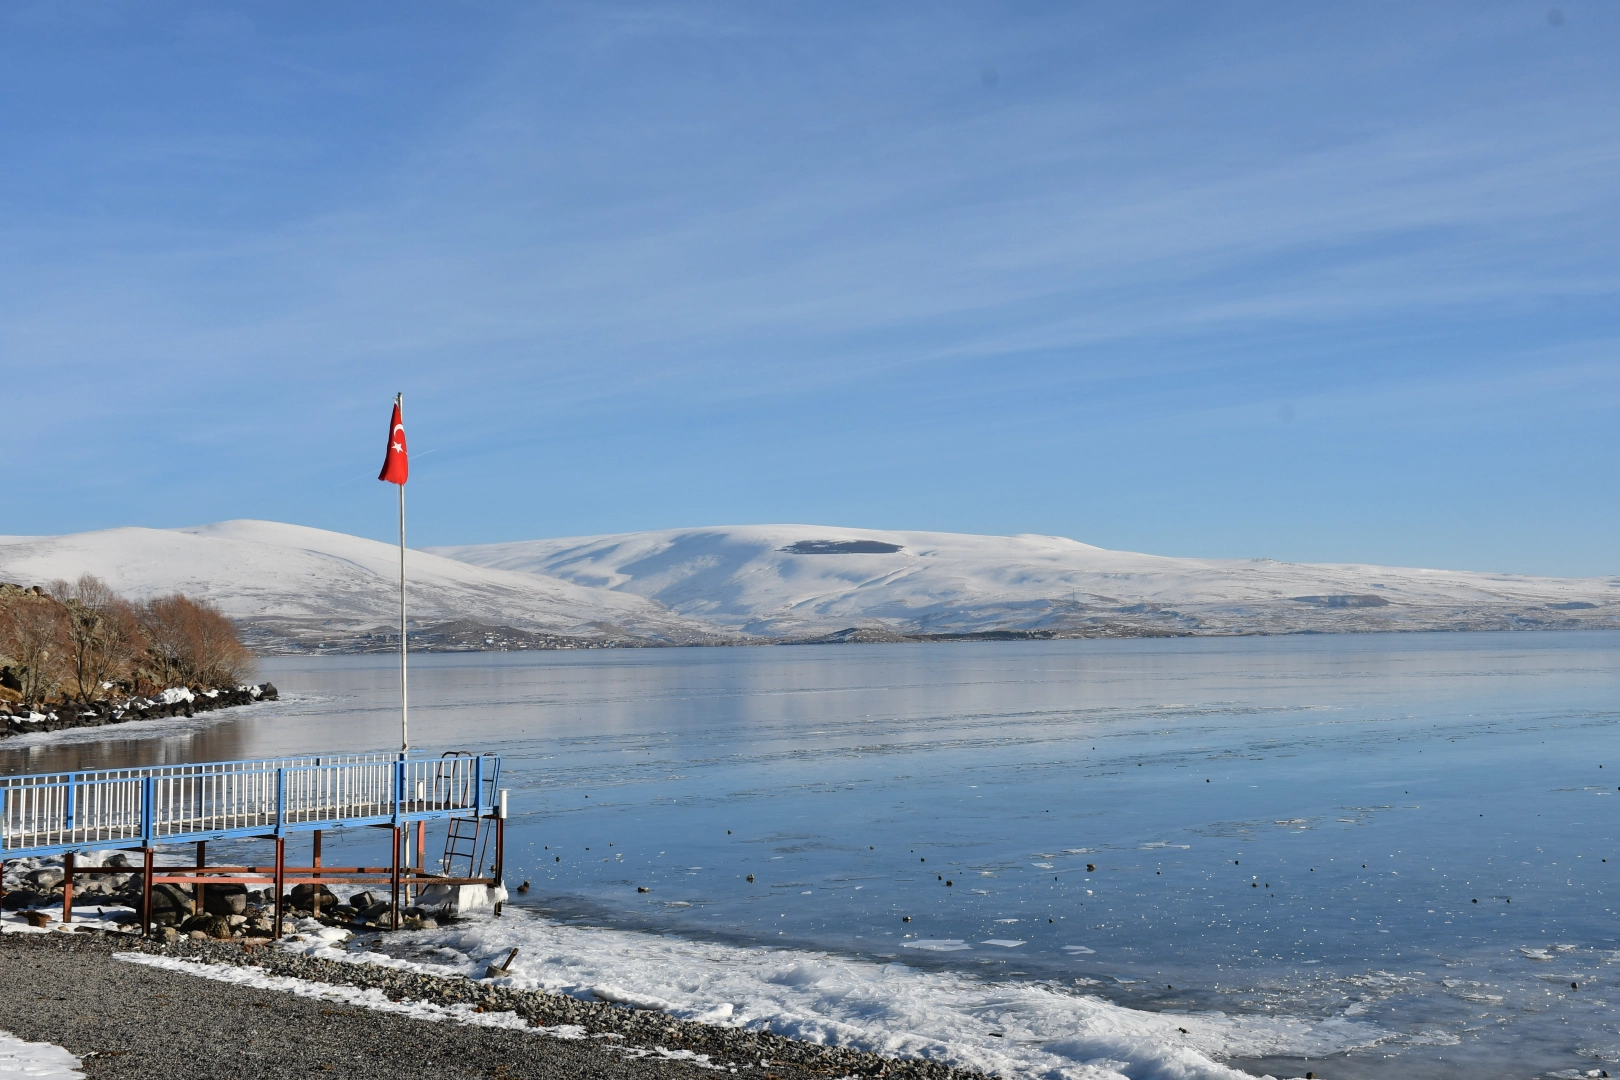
(600, 1039)
(176, 701)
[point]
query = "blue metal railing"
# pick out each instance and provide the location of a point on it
(51, 813)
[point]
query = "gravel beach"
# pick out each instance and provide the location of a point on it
(132, 1020)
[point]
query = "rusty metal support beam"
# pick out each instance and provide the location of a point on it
(197, 899)
(315, 899)
(146, 891)
(67, 887)
(281, 869)
(394, 884)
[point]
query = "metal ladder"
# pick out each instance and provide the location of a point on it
(467, 838)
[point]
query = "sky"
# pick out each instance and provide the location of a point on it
(1322, 283)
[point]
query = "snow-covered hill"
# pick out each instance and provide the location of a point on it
(292, 583)
(793, 580)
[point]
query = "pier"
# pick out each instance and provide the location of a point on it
(145, 809)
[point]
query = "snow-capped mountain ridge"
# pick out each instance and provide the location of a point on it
(291, 584)
(297, 583)
(796, 580)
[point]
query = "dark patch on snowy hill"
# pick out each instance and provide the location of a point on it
(840, 547)
(1344, 600)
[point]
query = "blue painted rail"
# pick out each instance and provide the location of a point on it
(55, 813)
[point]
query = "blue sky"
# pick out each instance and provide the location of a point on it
(1311, 282)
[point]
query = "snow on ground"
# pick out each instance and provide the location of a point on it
(1030, 1030)
(303, 577)
(37, 1060)
(795, 579)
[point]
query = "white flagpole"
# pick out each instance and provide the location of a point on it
(404, 712)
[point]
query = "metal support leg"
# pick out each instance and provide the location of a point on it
(146, 891)
(67, 887)
(421, 855)
(281, 879)
(500, 856)
(394, 883)
(2, 894)
(198, 901)
(316, 895)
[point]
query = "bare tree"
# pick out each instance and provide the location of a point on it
(101, 633)
(191, 642)
(32, 635)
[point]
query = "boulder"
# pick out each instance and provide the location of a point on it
(376, 911)
(303, 897)
(227, 899)
(46, 877)
(267, 692)
(362, 900)
(214, 926)
(171, 905)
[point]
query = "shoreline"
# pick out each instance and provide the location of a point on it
(171, 703)
(106, 1002)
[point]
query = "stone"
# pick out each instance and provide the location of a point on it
(362, 900)
(38, 919)
(214, 926)
(171, 905)
(303, 897)
(46, 877)
(227, 899)
(169, 935)
(268, 692)
(376, 911)
(236, 921)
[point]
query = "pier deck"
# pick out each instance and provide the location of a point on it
(146, 808)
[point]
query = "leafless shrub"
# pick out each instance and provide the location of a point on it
(187, 641)
(102, 636)
(33, 638)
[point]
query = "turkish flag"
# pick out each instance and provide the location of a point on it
(397, 465)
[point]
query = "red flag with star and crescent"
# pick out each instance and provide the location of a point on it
(397, 465)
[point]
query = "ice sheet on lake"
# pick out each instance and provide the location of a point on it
(1047, 1030)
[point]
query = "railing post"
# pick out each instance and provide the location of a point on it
(70, 807)
(478, 785)
(399, 788)
(281, 802)
(148, 811)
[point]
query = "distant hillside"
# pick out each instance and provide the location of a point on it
(289, 586)
(811, 581)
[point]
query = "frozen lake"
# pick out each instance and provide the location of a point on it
(1353, 854)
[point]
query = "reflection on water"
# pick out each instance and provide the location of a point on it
(1406, 830)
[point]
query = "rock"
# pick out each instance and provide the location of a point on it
(362, 900)
(227, 899)
(38, 919)
(267, 692)
(171, 905)
(197, 935)
(214, 926)
(303, 897)
(376, 911)
(169, 935)
(236, 921)
(46, 877)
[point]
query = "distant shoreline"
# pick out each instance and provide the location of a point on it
(869, 636)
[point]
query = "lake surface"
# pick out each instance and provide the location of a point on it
(1360, 855)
